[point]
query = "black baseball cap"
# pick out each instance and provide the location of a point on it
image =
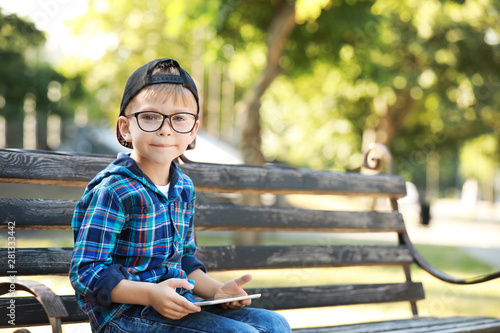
(143, 76)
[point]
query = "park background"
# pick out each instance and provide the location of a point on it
(305, 83)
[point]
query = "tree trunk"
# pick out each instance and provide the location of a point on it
(14, 133)
(279, 30)
(392, 121)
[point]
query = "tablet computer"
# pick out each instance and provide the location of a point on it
(211, 301)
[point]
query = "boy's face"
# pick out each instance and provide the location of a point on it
(160, 148)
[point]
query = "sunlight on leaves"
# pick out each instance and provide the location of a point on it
(309, 10)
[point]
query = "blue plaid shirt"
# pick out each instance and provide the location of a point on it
(126, 228)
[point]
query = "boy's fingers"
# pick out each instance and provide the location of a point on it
(177, 311)
(184, 304)
(179, 283)
(243, 279)
(177, 306)
(237, 305)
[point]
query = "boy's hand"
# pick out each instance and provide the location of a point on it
(168, 303)
(233, 289)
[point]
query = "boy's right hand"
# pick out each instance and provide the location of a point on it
(168, 303)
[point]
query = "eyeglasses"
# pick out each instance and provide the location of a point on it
(152, 121)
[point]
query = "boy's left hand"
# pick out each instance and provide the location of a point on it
(233, 289)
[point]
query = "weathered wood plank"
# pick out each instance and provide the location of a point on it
(36, 214)
(57, 214)
(420, 325)
(258, 257)
(43, 167)
(76, 169)
(335, 295)
(29, 312)
(469, 325)
(56, 260)
(222, 217)
(272, 298)
(49, 261)
(271, 179)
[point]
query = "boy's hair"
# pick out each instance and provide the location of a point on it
(161, 77)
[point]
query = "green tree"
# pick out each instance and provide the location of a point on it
(246, 23)
(480, 159)
(28, 86)
(121, 36)
(419, 76)
(298, 119)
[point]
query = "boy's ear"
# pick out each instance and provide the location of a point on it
(192, 145)
(123, 126)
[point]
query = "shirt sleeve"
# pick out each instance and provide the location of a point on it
(100, 218)
(189, 261)
(107, 282)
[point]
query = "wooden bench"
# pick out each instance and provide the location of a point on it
(37, 167)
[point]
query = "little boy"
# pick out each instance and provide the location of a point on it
(133, 266)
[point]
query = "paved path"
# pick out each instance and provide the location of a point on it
(478, 239)
(489, 256)
(478, 234)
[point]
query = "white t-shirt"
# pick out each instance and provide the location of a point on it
(164, 189)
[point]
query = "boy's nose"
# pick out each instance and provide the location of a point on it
(166, 128)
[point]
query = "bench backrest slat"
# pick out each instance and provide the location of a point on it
(262, 257)
(36, 214)
(57, 214)
(58, 169)
(55, 261)
(77, 170)
(221, 217)
(252, 179)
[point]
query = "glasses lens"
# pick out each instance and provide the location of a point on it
(182, 122)
(150, 121)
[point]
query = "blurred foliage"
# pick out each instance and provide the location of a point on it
(121, 36)
(420, 76)
(18, 35)
(480, 157)
(416, 75)
(26, 84)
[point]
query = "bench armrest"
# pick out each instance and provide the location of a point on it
(52, 303)
(374, 163)
(426, 266)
